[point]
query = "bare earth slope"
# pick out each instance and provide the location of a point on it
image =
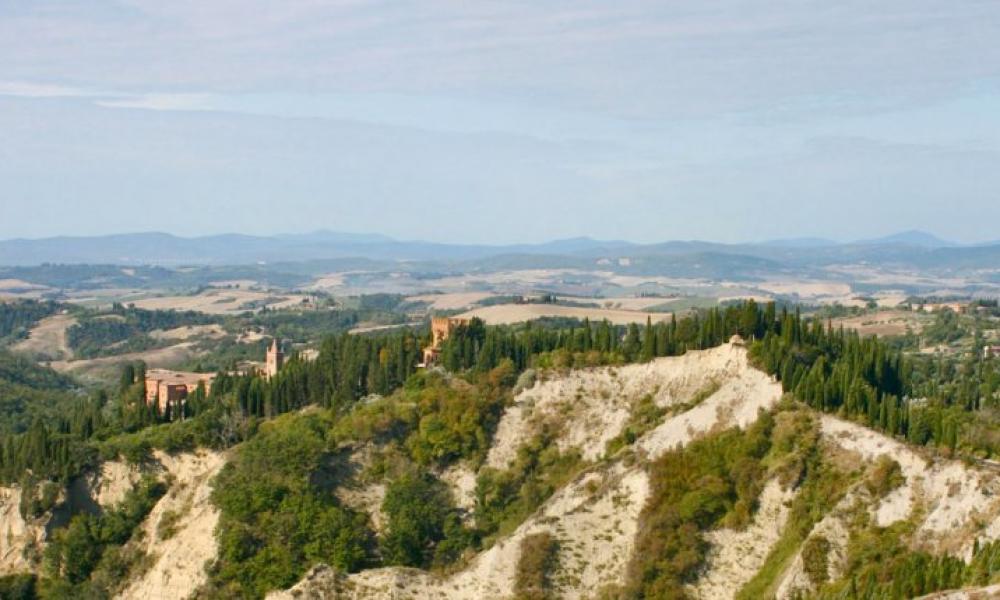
(179, 533)
(22, 540)
(951, 504)
(594, 517)
(48, 338)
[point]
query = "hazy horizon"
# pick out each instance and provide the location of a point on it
(501, 123)
(501, 243)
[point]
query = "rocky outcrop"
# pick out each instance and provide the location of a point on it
(951, 503)
(21, 540)
(179, 533)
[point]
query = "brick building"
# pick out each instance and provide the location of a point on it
(441, 328)
(275, 360)
(171, 388)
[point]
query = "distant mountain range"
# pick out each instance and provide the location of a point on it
(911, 248)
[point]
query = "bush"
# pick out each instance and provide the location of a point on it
(423, 528)
(713, 481)
(525, 380)
(166, 528)
(279, 515)
(18, 587)
(505, 498)
(90, 544)
(816, 559)
(645, 416)
(884, 477)
(539, 559)
(38, 498)
(438, 420)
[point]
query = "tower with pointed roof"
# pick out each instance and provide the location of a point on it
(275, 359)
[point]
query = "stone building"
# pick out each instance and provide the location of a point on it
(441, 328)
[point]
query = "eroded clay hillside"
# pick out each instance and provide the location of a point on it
(945, 506)
(594, 517)
(26, 524)
(807, 495)
(174, 541)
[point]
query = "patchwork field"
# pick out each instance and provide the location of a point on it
(106, 367)
(223, 301)
(891, 322)
(452, 301)
(188, 332)
(16, 288)
(503, 314)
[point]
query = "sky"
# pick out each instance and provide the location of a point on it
(501, 122)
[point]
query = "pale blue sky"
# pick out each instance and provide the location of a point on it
(501, 121)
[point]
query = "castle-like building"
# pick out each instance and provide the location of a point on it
(441, 328)
(170, 389)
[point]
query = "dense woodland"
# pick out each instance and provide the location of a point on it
(17, 318)
(927, 401)
(126, 329)
(29, 392)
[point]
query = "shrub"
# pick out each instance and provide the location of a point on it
(505, 498)
(815, 559)
(645, 416)
(539, 559)
(92, 543)
(423, 528)
(167, 525)
(18, 587)
(278, 515)
(885, 476)
(713, 481)
(38, 498)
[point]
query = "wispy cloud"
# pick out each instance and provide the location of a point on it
(109, 98)
(645, 58)
(573, 111)
(162, 102)
(27, 89)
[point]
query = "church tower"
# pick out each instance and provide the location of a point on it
(275, 359)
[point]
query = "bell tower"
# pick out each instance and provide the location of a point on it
(275, 359)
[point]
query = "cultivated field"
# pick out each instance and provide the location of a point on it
(889, 322)
(106, 367)
(503, 314)
(48, 338)
(188, 332)
(222, 301)
(16, 288)
(453, 301)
